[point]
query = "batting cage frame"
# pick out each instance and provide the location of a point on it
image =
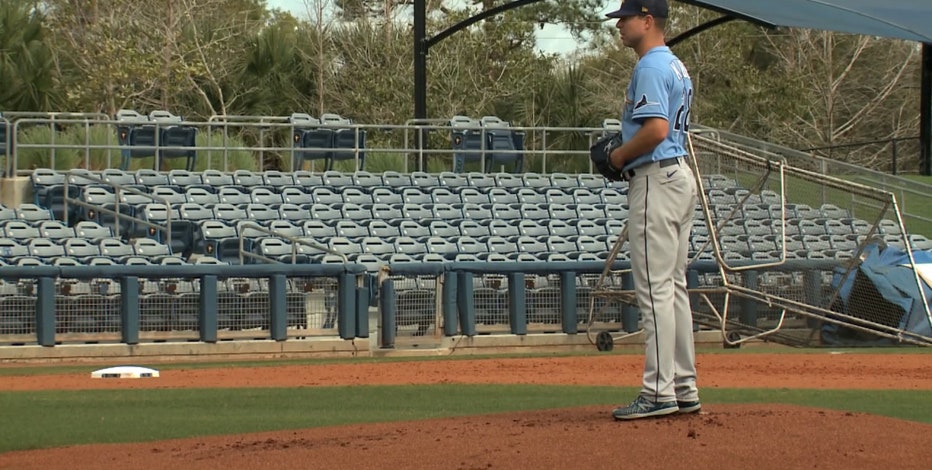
(754, 251)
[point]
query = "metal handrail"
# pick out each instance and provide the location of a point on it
(118, 189)
(243, 254)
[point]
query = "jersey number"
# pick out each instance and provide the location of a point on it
(681, 122)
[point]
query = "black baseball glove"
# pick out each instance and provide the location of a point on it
(600, 154)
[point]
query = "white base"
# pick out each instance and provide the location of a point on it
(125, 372)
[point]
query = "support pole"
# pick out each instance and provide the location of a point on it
(925, 113)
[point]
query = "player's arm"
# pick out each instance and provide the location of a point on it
(652, 132)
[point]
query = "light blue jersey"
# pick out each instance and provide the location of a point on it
(660, 87)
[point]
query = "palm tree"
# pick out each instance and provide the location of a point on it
(27, 71)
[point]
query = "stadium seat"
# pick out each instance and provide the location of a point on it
(349, 143)
(92, 230)
(337, 179)
(351, 229)
(322, 195)
(441, 195)
(413, 229)
(387, 212)
(452, 180)
(48, 189)
(45, 249)
(364, 179)
(424, 180)
(202, 196)
(150, 178)
(160, 135)
(502, 196)
(19, 230)
(310, 141)
(55, 230)
(394, 179)
(386, 196)
(295, 195)
(476, 211)
(306, 179)
(32, 213)
(379, 227)
(318, 230)
(264, 195)
(355, 195)
(501, 228)
(277, 179)
(442, 229)
(325, 213)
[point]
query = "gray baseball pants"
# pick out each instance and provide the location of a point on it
(661, 203)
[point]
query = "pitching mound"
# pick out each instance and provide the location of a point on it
(736, 436)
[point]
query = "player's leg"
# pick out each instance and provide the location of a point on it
(685, 357)
(653, 237)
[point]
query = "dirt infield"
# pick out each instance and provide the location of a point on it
(723, 436)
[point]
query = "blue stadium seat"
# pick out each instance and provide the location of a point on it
(92, 230)
(531, 228)
(394, 179)
(365, 179)
(325, 212)
(558, 196)
(535, 180)
(295, 195)
(337, 179)
(477, 211)
(416, 211)
(561, 211)
(534, 211)
(561, 228)
(441, 195)
(228, 212)
(324, 195)
(218, 239)
(506, 211)
(318, 230)
(11, 248)
(306, 179)
(387, 212)
(501, 228)
(502, 196)
(443, 229)
(415, 196)
(80, 248)
(19, 230)
(424, 180)
(468, 141)
(445, 212)
(442, 246)
(216, 178)
(310, 141)
(508, 180)
(386, 196)
(168, 195)
(202, 196)
(471, 228)
(264, 195)
(413, 229)
(160, 135)
(32, 213)
(293, 212)
(277, 179)
(351, 229)
(48, 189)
(149, 177)
(452, 180)
(348, 142)
(355, 195)
(45, 249)
(55, 230)
(379, 227)
(591, 181)
(114, 248)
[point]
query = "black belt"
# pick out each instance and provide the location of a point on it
(662, 164)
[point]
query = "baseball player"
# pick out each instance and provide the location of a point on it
(651, 155)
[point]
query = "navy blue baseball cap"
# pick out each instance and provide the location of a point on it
(655, 8)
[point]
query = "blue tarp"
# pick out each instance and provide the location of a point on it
(901, 19)
(882, 290)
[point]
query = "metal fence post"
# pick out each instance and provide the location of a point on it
(346, 311)
(45, 311)
(448, 304)
(278, 321)
(466, 303)
(362, 312)
(517, 303)
(748, 314)
(129, 309)
(692, 282)
(388, 308)
(207, 309)
(568, 302)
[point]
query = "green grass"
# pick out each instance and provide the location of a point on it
(39, 419)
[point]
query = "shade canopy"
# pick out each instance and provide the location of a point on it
(900, 19)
